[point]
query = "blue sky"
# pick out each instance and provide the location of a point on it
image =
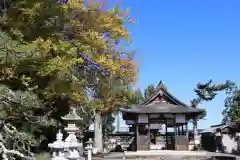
(186, 42)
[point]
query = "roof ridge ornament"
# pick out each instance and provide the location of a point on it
(161, 86)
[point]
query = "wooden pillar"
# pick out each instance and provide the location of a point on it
(135, 131)
(137, 140)
(187, 134)
(182, 131)
(166, 123)
(175, 131)
(149, 134)
(187, 129)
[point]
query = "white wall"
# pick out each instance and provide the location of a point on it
(229, 143)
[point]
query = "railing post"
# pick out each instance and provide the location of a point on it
(89, 148)
(124, 156)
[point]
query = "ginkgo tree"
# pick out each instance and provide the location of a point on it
(66, 51)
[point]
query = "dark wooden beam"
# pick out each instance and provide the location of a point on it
(149, 134)
(175, 132)
(166, 133)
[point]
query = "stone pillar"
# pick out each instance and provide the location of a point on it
(89, 148)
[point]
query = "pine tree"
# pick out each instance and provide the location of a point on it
(231, 111)
(207, 92)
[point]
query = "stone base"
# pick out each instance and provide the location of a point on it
(95, 150)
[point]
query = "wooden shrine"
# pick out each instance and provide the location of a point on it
(161, 108)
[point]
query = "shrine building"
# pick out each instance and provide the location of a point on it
(158, 110)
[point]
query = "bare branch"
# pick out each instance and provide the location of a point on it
(6, 153)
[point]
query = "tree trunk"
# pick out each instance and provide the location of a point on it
(118, 122)
(98, 134)
(194, 132)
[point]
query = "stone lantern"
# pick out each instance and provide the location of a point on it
(58, 147)
(89, 148)
(73, 148)
(238, 134)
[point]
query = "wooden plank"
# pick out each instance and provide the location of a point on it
(181, 143)
(142, 142)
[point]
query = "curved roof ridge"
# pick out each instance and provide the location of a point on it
(155, 93)
(162, 88)
(177, 100)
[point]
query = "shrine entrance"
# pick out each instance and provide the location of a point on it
(170, 141)
(142, 138)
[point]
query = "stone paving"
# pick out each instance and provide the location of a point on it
(119, 156)
(158, 158)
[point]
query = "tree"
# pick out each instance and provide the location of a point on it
(231, 111)
(58, 51)
(135, 97)
(207, 92)
(16, 107)
(149, 91)
(110, 95)
(108, 126)
(110, 90)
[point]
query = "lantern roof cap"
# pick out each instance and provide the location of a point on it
(72, 115)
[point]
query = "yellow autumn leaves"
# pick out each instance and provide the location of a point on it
(90, 31)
